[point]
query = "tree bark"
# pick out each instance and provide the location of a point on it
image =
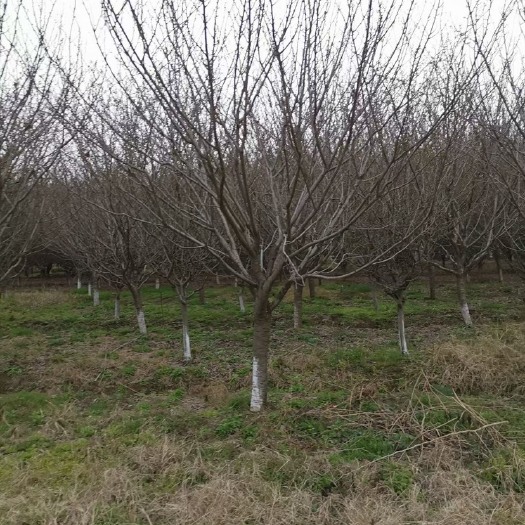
(96, 294)
(202, 295)
(375, 301)
(298, 305)
(141, 318)
(157, 284)
(117, 306)
(240, 292)
(311, 288)
(89, 290)
(79, 281)
(497, 260)
(261, 347)
(431, 281)
(462, 298)
(185, 332)
(401, 326)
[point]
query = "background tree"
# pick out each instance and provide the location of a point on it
(31, 100)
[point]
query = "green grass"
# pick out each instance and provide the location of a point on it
(88, 402)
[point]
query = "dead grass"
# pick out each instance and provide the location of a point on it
(39, 298)
(171, 483)
(492, 363)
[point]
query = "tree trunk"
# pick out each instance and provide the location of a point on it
(217, 278)
(185, 331)
(401, 325)
(497, 260)
(375, 301)
(141, 318)
(202, 295)
(261, 346)
(240, 292)
(117, 306)
(157, 284)
(96, 293)
(298, 305)
(311, 288)
(79, 281)
(431, 281)
(89, 290)
(462, 298)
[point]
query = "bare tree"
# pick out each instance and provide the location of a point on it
(31, 99)
(272, 122)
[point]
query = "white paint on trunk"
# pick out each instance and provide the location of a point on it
(89, 289)
(241, 303)
(79, 284)
(157, 284)
(465, 313)
(141, 320)
(117, 307)
(500, 275)
(96, 297)
(186, 343)
(256, 403)
(375, 300)
(298, 306)
(401, 329)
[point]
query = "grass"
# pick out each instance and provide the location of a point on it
(100, 426)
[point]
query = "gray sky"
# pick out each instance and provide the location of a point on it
(77, 17)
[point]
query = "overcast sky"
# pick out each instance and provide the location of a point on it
(78, 17)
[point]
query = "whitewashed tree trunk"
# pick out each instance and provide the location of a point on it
(141, 318)
(95, 291)
(89, 290)
(298, 305)
(141, 321)
(79, 283)
(240, 293)
(117, 306)
(217, 278)
(185, 332)
(261, 348)
(401, 327)
(462, 298)
(157, 284)
(375, 300)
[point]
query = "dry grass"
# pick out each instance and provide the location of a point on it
(170, 483)
(38, 298)
(492, 363)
